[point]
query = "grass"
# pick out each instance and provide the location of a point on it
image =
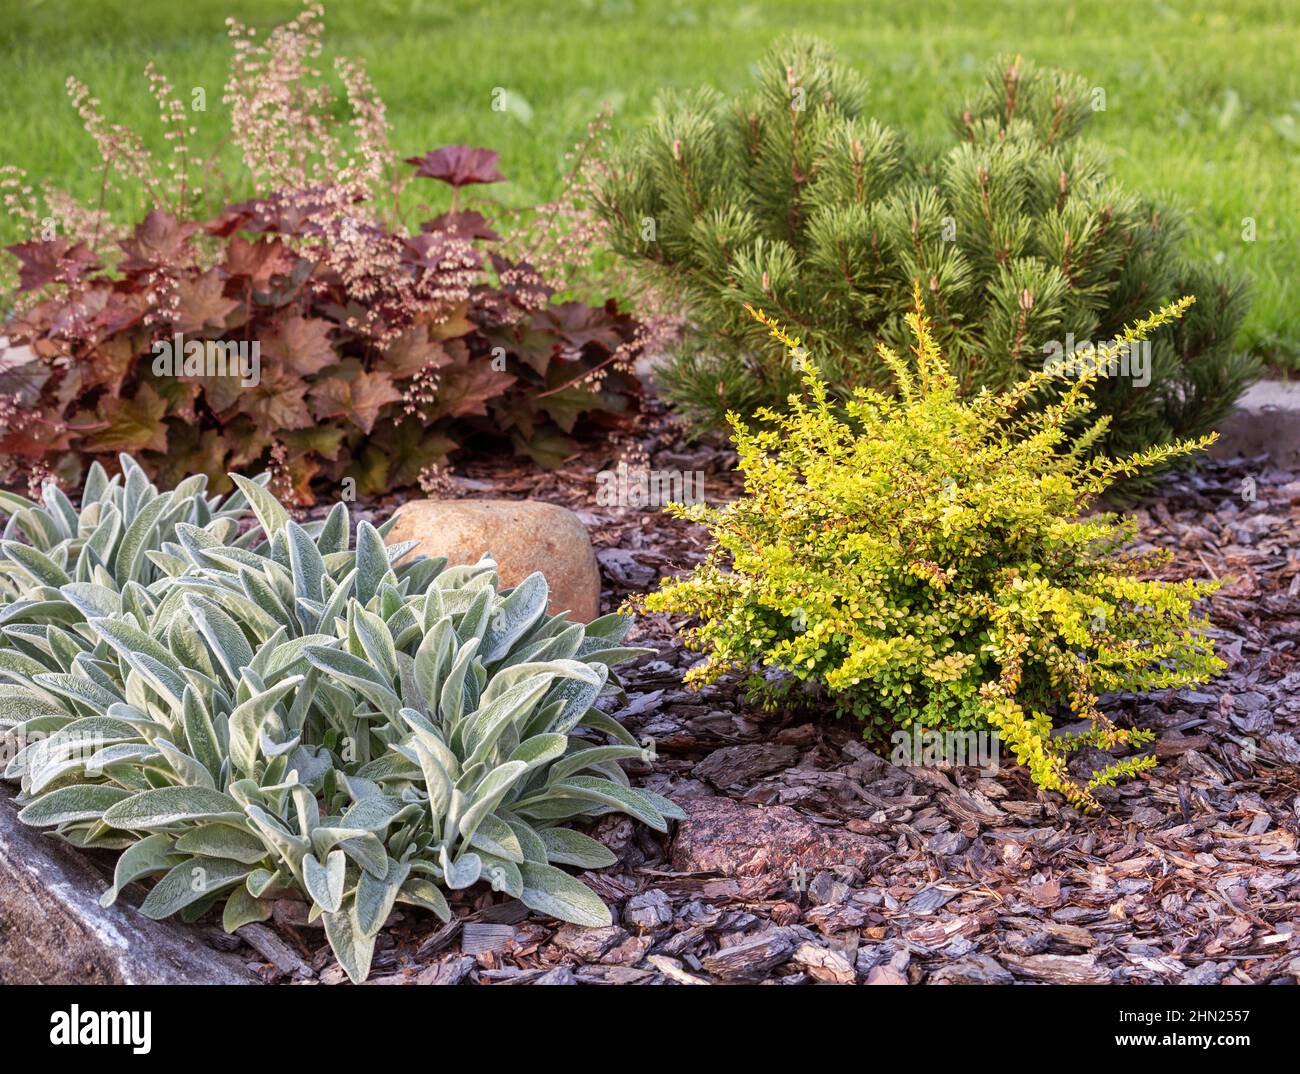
(1202, 99)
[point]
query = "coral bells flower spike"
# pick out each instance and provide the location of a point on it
(458, 165)
(385, 334)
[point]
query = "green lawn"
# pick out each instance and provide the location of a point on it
(1202, 99)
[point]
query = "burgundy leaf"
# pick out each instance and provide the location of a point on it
(458, 165)
(52, 261)
(159, 239)
(432, 250)
(295, 212)
(467, 224)
(258, 261)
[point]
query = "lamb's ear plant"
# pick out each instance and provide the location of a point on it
(924, 560)
(279, 712)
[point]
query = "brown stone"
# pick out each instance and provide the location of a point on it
(522, 536)
(724, 836)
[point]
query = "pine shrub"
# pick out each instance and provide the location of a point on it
(794, 199)
(248, 708)
(926, 561)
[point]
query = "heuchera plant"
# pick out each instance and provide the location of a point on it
(375, 373)
(306, 330)
(249, 715)
(927, 560)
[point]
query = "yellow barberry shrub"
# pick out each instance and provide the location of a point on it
(924, 558)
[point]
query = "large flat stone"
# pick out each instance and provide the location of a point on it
(523, 536)
(53, 930)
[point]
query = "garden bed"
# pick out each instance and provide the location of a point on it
(318, 725)
(808, 857)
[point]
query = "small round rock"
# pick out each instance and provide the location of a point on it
(522, 536)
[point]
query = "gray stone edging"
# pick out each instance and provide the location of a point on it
(1266, 422)
(53, 930)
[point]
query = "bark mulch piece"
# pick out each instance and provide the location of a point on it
(808, 858)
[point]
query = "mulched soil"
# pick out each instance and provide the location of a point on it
(809, 858)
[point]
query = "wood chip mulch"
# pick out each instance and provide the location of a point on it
(809, 858)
